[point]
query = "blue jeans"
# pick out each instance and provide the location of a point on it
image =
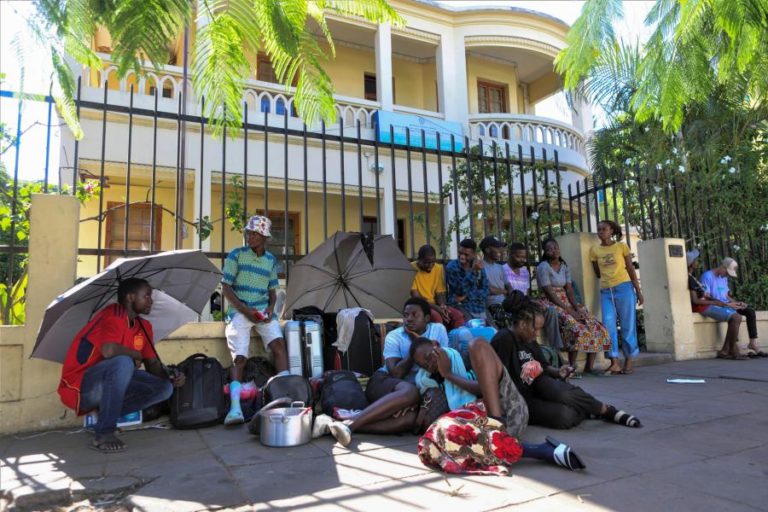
(620, 300)
(115, 387)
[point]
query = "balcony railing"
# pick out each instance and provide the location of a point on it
(525, 129)
(259, 96)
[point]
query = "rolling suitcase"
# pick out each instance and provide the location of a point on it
(304, 341)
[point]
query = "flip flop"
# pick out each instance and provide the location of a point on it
(720, 355)
(752, 354)
(563, 455)
(615, 372)
(107, 445)
(740, 358)
(627, 372)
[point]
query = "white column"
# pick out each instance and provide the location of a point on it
(384, 66)
(582, 116)
(582, 121)
(202, 169)
(388, 212)
(452, 78)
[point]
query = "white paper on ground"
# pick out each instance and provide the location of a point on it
(686, 381)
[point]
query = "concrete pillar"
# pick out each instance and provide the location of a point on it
(667, 308)
(28, 398)
(451, 63)
(384, 66)
(574, 249)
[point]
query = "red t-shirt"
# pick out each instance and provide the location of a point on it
(110, 325)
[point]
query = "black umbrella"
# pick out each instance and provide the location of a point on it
(352, 270)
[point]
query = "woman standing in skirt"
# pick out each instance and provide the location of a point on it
(619, 291)
(579, 329)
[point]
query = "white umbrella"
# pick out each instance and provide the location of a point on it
(182, 281)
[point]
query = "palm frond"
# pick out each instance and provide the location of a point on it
(591, 32)
(219, 65)
(376, 11)
(64, 100)
(144, 29)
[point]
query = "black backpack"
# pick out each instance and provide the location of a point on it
(200, 402)
(295, 387)
(342, 389)
(259, 370)
(364, 352)
(285, 388)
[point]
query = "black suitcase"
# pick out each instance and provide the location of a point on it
(200, 402)
(364, 352)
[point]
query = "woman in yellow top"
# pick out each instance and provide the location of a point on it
(619, 291)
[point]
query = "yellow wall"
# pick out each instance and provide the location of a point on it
(543, 87)
(349, 67)
(164, 196)
(488, 71)
(28, 398)
(414, 84)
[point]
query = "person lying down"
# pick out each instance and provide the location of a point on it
(478, 437)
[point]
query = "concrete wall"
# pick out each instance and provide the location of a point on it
(28, 399)
(574, 249)
(667, 309)
(670, 325)
(709, 334)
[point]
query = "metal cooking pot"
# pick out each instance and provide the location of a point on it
(285, 426)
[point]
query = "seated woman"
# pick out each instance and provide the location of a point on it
(478, 437)
(579, 329)
(551, 401)
(718, 310)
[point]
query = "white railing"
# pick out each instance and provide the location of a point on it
(526, 129)
(259, 96)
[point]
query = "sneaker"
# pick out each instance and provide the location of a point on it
(234, 418)
(320, 428)
(341, 432)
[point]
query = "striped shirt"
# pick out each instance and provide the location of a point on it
(251, 277)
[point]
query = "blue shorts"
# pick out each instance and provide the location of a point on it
(719, 313)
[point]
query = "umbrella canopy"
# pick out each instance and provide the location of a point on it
(182, 281)
(352, 270)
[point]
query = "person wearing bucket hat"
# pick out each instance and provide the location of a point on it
(250, 287)
(704, 304)
(715, 283)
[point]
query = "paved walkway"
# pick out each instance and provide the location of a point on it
(704, 447)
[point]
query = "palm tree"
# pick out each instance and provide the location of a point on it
(696, 47)
(227, 31)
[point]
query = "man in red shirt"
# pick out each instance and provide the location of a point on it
(101, 368)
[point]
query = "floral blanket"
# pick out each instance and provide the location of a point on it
(467, 441)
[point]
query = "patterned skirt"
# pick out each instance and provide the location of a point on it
(467, 441)
(588, 335)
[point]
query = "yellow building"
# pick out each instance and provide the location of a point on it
(483, 69)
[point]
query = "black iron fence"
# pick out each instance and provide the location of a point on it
(312, 181)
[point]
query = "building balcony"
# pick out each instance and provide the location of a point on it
(528, 130)
(260, 97)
